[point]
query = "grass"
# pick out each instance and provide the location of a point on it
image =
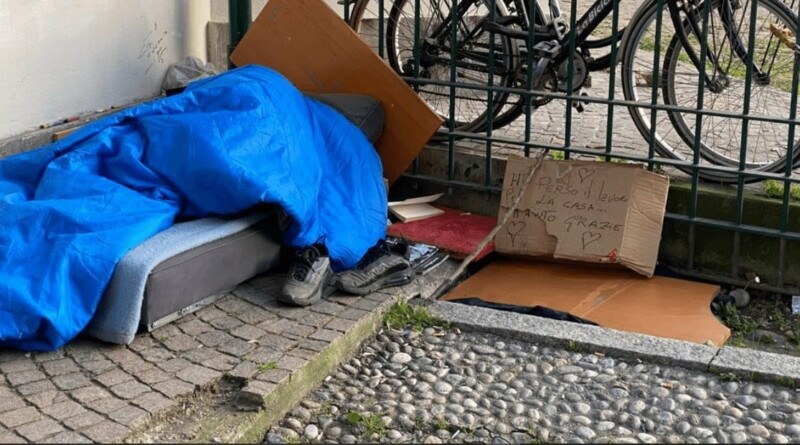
(162, 338)
(441, 424)
(267, 366)
(774, 189)
(731, 317)
(535, 439)
(735, 67)
(372, 424)
(403, 315)
(786, 381)
(573, 346)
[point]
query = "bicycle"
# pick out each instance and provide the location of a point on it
(362, 16)
(491, 48)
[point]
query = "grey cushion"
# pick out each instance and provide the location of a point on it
(176, 285)
(364, 111)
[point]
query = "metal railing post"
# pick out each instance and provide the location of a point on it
(239, 17)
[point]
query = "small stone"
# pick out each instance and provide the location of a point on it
(294, 424)
(348, 438)
(582, 420)
(702, 433)
(585, 433)
(757, 414)
(483, 349)
(333, 432)
(394, 435)
(698, 393)
(401, 358)
(311, 431)
(738, 437)
(778, 438)
(604, 426)
(758, 430)
(274, 438)
(646, 438)
(570, 369)
(710, 421)
(636, 407)
(582, 408)
(745, 400)
(730, 387)
(443, 388)
(502, 428)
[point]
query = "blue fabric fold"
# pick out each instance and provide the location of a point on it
(70, 210)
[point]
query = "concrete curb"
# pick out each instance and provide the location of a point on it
(744, 363)
(273, 402)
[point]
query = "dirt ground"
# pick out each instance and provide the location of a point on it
(765, 323)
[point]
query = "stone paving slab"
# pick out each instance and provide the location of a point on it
(90, 391)
(747, 363)
(575, 335)
(751, 363)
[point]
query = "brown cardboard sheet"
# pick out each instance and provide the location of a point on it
(614, 298)
(589, 211)
(306, 41)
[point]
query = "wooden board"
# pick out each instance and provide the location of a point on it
(312, 46)
(617, 299)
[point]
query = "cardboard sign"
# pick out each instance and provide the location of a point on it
(584, 211)
(307, 41)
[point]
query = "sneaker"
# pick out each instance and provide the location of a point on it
(382, 266)
(310, 277)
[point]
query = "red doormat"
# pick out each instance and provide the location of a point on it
(456, 232)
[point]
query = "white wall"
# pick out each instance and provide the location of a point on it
(219, 8)
(66, 57)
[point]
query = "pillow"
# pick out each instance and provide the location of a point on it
(364, 111)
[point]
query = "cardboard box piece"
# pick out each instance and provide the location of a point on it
(589, 211)
(306, 41)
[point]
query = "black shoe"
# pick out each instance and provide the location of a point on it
(310, 277)
(380, 267)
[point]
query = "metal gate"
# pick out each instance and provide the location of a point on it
(708, 98)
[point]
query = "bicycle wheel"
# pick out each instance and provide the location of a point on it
(720, 138)
(596, 49)
(770, 95)
(480, 60)
(368, 19)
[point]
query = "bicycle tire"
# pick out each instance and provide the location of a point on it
(776, 134)
(365, 20)
(471, 109)
(673, 136)
(515, 105)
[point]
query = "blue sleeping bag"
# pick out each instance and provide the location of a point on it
(70, 210)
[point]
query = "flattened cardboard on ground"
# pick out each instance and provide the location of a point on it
(591, 211)
(614, 298)
(312, 46)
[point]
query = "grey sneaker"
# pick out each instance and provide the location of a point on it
(309, 278)
(382, 266)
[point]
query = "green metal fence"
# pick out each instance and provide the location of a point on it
(717, 111)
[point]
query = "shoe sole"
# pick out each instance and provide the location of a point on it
(324, 290)
(396, 279)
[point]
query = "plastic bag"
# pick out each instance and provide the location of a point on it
(181, 74)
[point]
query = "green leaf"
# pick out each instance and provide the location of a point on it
(354, 417)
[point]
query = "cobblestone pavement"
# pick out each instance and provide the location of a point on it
(90, 391)
(444, 385)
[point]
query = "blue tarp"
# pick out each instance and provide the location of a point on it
(70, 210)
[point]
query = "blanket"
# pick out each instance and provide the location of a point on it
(70, 210)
